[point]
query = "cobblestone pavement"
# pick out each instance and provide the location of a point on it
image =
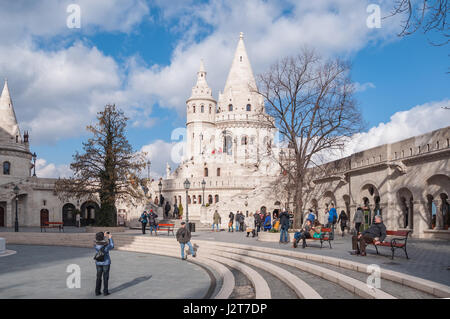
(41, 272)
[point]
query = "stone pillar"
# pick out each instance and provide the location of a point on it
(410, 207)
(9, 214)
(420, 219)
(2, 246)
(439, 216)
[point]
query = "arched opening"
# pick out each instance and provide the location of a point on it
(437, 191)
(202, 108)
(44, 217)
(249, 107)
(193, 108)
(216, 198)
(200, 199)
(227, 145)
(371, 204)
(194, 199)
(6, 168)
(445, 208)
(88, 211)
(405, 198)
(189, 199)
(68, 212)
(244, 140)
(218, 171)
(2, 217)
(230, 107)
(205, 172)
(210, 199)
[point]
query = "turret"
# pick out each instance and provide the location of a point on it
(200, 109)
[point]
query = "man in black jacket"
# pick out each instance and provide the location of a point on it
(374, 235)
(284, 226)
(230, 223)
(184, 238)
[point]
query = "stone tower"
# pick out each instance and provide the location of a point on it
(200, 109)
(15, 156)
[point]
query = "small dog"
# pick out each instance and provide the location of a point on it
(188, 251)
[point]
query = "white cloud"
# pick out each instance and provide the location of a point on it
(160, 153)
(418, 120)
(50, 170)
(364, 86)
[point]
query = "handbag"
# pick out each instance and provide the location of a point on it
(100, 255)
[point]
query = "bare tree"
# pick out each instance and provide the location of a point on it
(109, 168)
(310, 101)
(428, 15)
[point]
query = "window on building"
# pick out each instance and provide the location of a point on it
(210, 108)
(216, 198)
(227, 145)
(249, 107)
(202, 109)
(194, 199)
(189, 199)
(193, 109)
(437, 145)
(6, 168)
(205, 173)
(230, 107)
(244, 140)
(218, 171)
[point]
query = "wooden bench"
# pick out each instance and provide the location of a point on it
(399, 241)
(324, 236)
(46, 225)
(168, 227)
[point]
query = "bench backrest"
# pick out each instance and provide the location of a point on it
(403, 233)
(53, 223)
(167, 225)
(326, 230)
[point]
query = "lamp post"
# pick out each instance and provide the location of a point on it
(16, 223)
(203, 188)
(187, 184)
(160, 189)
(34, 163)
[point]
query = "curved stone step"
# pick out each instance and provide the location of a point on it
(262, 289)
(302, 289)
(354, 286)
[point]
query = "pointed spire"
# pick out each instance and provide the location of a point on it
(241, 74)
(8, 120)
(202, 67)
(201, 88)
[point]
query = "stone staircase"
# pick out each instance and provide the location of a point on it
(246, 271)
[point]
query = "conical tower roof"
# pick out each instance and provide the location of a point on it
(9, 128)
(241, 74)
(201, 89)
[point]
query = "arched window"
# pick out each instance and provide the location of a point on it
(6, 168)
(210, 109)
(200, 199)
(218, 171)
(202, 109)
(230, 107)
(205, 172)
(216, 199)
(193, 108)
(194, 199)
(210, 199)
(249, 107)
(189, 199)
(227, 145)
(244, 140)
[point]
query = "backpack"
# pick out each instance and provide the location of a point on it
(334, 218)
(311, 217)
(100, 255)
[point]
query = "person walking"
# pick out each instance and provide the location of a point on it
(241, 221)
(230, 222)
(236, 219)
(332, 219)
(184, 238)
(144, 220)
(216, 220)
(175, 211)
(358, 219)
(284, 226)
(102, 261)
(343, 221)
(153, 222)
(78, 220)
(249, 225)
(374, 235)
(257, 218)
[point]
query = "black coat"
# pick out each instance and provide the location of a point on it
(376, 230)
(284, 220)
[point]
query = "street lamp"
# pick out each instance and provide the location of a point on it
(203, 187)
(16, 223)
(160, 189)
(34, 163)
(187, 184)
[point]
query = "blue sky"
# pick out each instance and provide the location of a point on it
(143, 56)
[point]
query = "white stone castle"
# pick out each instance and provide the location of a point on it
(232, 149)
